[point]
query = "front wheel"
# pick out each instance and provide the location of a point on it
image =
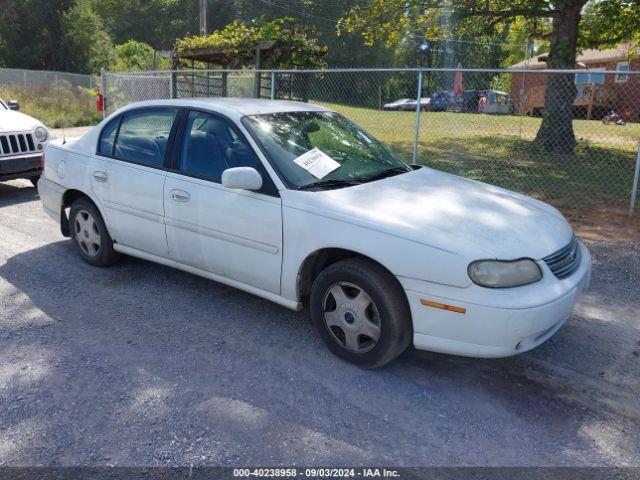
(89, 234)
(360, 312)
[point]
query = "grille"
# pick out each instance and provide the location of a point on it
(565, 261)
(16, 143)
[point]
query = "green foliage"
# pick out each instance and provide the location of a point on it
(397, 22)
(134, 56)
(79, 34)
(501, 82)
(606, 23)
(295, 47)
(31, 32)
(56, 105)
(87, 45)
(525, 37)
(427, 33)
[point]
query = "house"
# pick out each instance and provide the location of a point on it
(597, 93)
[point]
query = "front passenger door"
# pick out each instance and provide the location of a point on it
(233, 233)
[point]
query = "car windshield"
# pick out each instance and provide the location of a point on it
(321, 149)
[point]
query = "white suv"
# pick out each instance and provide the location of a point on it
(22, 142)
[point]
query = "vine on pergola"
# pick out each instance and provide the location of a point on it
(276, 44)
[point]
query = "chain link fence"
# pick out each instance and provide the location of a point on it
(478, 123)
(55, 98)
(34, 78)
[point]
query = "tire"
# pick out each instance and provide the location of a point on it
(34, 181)
(348, 321)
(89, 234)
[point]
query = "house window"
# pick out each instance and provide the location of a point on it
(624, 67)
(582, 78)
(590, 76)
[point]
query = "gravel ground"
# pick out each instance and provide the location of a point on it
(141, 365)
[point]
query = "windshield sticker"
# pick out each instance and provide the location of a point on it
(317, 163)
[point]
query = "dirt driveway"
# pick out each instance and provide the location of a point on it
(140, 364)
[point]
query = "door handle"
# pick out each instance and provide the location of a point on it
(100, 176)
(179, 196)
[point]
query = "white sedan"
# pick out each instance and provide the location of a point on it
(296, 204)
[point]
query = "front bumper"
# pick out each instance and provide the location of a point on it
(496, 322)
(23, 166)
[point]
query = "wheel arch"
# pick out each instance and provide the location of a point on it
(68, 197)
(320, 259)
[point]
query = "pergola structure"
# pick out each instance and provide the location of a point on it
(227, 58)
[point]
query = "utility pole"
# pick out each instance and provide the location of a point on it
(203, 17)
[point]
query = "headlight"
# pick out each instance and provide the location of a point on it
(503, 273)
(41, 134)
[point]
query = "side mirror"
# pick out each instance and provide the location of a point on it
(13, 105)
(242, 178)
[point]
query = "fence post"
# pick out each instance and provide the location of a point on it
(417, 131)
(634, 187)
(103, 87)
(171, 84)
(273, 85)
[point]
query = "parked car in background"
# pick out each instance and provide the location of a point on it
(470, 100)
(22, 143)
(400, 104)
(440, 101)
(425, 104)
(294, 203)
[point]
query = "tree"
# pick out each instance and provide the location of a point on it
(31, 32)
(381, 18)
(135, 56)
(85, 42)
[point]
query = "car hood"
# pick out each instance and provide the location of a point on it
(12, 121)
(446, 212)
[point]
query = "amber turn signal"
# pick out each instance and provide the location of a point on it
(443, 306)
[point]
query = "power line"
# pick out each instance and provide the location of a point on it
(298, 12)
(473, 42)
(503, 44)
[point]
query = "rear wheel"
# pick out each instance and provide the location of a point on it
(360, 312)
(89, 234)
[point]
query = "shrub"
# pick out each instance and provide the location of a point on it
(55, 105)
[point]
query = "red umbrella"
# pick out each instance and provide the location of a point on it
(457, 82)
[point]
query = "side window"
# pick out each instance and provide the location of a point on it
(622, 67)
(108, 136)
(210, 146)
(143, 135)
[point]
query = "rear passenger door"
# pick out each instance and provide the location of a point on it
(132, 179)
(233, 233)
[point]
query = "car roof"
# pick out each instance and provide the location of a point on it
(234, 107)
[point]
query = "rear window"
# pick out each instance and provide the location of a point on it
(138, 136)
(143, 135)
(108, 136)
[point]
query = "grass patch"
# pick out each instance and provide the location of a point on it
(498, 149)
(55, 106)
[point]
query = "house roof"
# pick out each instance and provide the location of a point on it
(619, 53)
